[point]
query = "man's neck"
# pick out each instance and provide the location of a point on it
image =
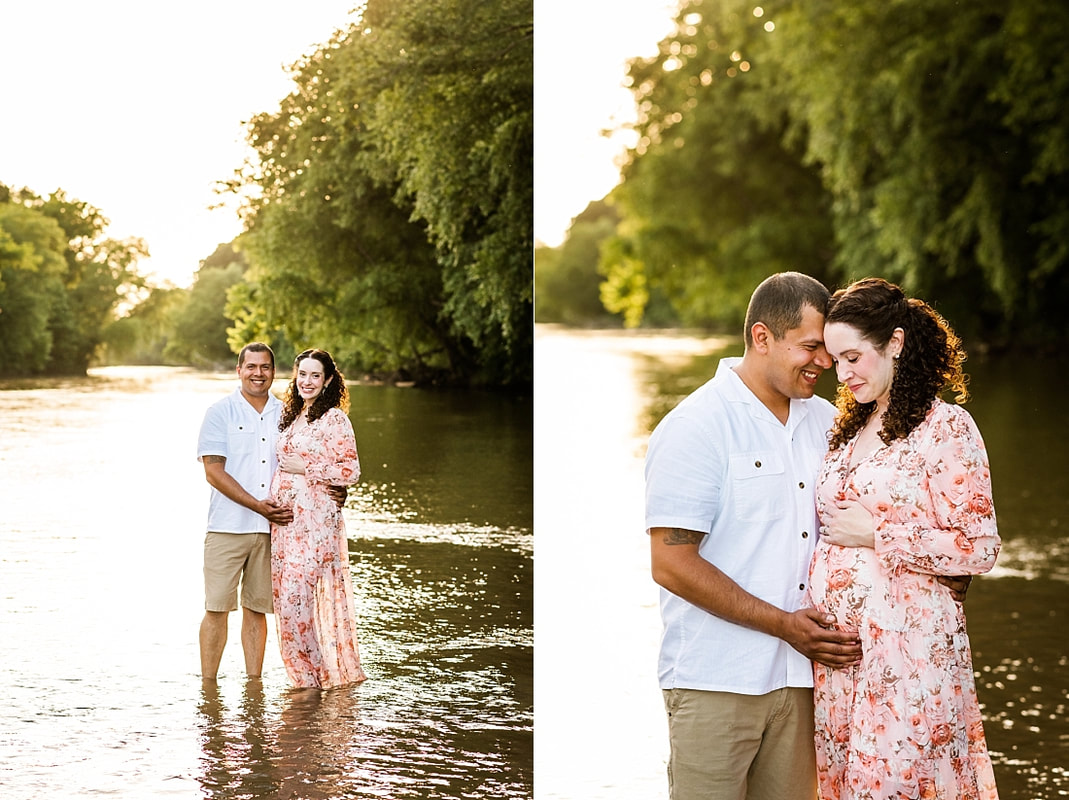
(256, 402)
(778, 404)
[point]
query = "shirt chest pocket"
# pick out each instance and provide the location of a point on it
(757, 483)
(240, 439)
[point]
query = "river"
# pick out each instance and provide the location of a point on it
(101, 535)
(600, 731)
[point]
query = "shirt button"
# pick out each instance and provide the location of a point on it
(801, 485)
(801, 586)
(805, 534)
(757, 464)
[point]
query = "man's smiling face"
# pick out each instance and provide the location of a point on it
(257, 374)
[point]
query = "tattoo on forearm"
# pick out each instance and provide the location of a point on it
(214, 459)
(681, 536)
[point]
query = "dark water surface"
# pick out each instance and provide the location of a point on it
(101, 530)
(1018, 615)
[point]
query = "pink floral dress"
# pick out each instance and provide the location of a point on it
(906, 723)
(310, 576)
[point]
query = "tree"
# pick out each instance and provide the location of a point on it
(925, 141)
(388, 206)
(31, 269)
(903, 119)
(567, 280)
(142, 335)
(200, 324)
(715, 196)
(455, 125)
(94, 272)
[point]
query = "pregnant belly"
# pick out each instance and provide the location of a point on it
(841, 580)
(286, 487)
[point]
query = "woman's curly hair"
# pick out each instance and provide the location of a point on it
(928, 365)
(334, 394)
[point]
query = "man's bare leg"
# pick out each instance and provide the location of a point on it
(253, 641)
(212, 642)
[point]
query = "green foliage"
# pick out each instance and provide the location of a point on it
(715, 196)
(200, 324)
(60, 281)
(143, 334)
(926, 141)
(390, 217)
(567, 281)
(197, 322)
(31, 269)
(913, 145)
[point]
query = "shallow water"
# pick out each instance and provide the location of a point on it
(600, 724)
(101, 530)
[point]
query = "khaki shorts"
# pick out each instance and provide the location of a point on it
(741, 747)
(233, 557)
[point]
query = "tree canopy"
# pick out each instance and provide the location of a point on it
(926, 142)
(61, 279)
(567, 282)
(388, 203)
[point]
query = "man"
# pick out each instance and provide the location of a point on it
(731, 515)
(237, 448)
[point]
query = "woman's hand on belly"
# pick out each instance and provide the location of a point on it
(848, 524)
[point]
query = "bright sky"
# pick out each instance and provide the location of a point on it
(581, 50)
(137, 107)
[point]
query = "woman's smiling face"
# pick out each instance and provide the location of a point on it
(866, 371)
(310, 379)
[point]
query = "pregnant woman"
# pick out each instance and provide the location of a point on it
(312, 585)
(904, 496)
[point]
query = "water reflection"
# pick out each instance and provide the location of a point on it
(238, 749)
(419, 450)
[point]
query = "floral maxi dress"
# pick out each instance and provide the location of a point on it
(906, 723)
(310, 578)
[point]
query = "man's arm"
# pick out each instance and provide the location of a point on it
(957, 584)
(221, 480)
(677, 566)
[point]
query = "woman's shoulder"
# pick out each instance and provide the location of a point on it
(334, 417)
(944, 417)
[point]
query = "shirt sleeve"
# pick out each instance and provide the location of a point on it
(336, 462)
(957, 535)
(684, 473)
(212, 440)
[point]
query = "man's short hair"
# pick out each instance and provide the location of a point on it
(256, 347)
(778, 302)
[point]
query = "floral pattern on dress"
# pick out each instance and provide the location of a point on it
(905, 723)
(313, 594)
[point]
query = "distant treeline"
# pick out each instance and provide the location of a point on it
(386, 210)
(925, 142)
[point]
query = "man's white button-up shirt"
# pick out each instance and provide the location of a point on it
(721, 463)
(232, 428)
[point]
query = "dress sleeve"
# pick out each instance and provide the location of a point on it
(950, 529)
(336, 462)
